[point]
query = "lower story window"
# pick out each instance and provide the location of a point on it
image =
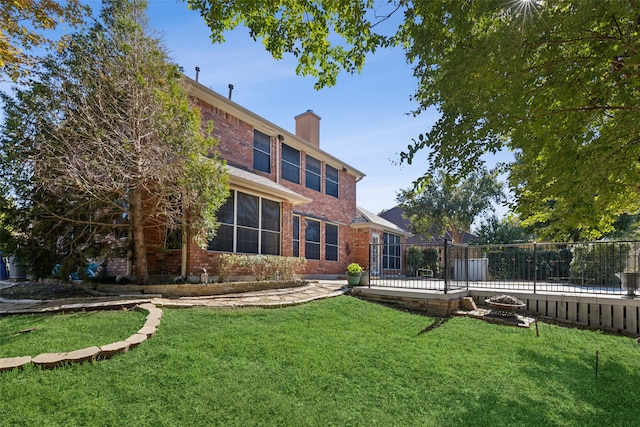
(296, 236)
(312, 239)
(331, 242)
(248, 224)
(391, 252)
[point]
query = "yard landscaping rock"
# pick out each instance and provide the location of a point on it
(14, 362)
(149, 331)
(152, 323)
(50, 360)
(468, 304)
(110, 350)
(84, 355)
(135, 340)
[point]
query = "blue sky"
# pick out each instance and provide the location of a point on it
(364, 120)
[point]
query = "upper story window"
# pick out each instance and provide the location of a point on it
(313, 177)
(331, 181)
(261, 152)
(290, 164)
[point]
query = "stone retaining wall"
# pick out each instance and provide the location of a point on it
(611, 313)
(194, 290)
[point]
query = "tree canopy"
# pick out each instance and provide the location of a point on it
(445, 205)
(555, 82)
(21, 29)
(494, 230)
(102, 148)
(326, 36)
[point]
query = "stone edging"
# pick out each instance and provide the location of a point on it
(89, 354)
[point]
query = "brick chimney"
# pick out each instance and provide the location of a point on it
(308, 127)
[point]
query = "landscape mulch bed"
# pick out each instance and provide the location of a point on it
(44, 291)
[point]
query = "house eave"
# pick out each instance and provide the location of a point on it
(215, 99)
(255, 184)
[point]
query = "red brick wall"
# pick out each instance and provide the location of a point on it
(235, 138)
(361, 238)
(116, 267)
(236, 145)
(338, 211)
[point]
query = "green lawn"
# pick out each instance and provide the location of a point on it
(337, 362)
(31, 335)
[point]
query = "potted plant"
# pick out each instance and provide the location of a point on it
(354, 273)
(630, 276)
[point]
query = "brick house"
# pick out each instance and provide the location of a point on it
(378, 243)
(287, 197)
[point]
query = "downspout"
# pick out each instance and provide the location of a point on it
(279, 140)
(183, 267)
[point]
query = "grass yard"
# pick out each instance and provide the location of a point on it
(31, 335)
(336, 362)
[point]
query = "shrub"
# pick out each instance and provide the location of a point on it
(598, 263)
(516, 263)
(262, 267)
(418, 257)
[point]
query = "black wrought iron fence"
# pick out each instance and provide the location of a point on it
(585, 267)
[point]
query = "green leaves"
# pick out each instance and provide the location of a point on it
(106, 144)
(555, 84)
(443, 204)
(326, 36)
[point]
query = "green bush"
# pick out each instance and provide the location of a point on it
(418, 257)
(597, 263)
(516, 263)
(262, 267)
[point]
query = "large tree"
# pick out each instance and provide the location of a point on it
(103, 148)
(23, 27)
(556, 82)
(444, 204)
(493, 230)
(553, 81)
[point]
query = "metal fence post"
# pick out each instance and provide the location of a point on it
(535, 266)
(369, 266)
(466, 256)
(446, 265)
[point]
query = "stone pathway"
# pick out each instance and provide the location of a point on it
(268, 298)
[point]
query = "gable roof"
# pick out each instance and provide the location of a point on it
(396, 216)
(364, 218)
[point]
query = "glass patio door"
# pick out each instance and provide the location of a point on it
(375, 254)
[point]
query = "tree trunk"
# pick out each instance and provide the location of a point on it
(139, 246)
